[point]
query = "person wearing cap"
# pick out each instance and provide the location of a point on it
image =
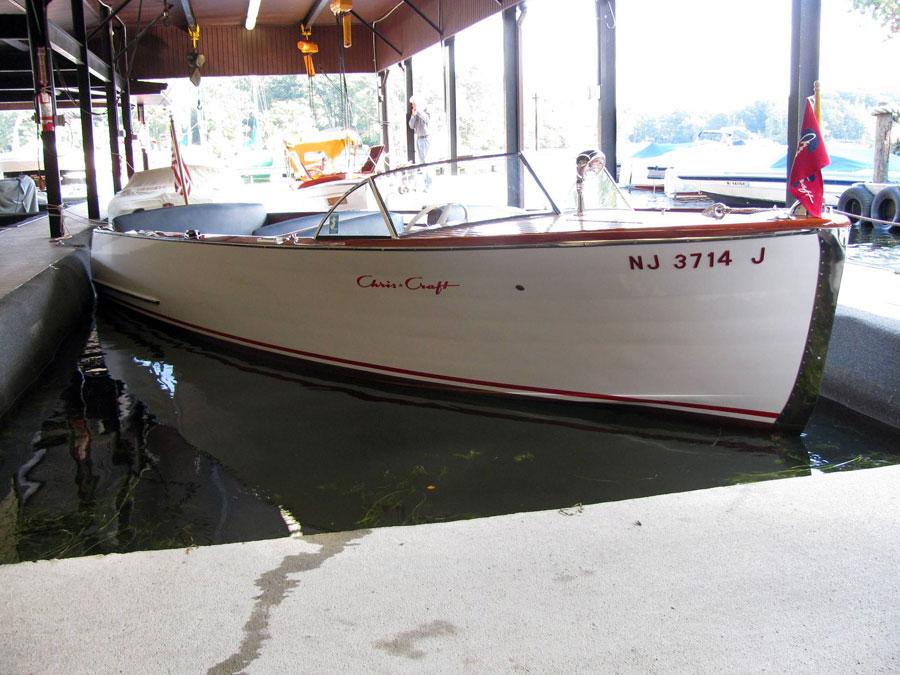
(418, 122)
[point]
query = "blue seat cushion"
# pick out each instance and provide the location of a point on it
(240, 219)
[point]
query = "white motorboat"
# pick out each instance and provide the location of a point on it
(475, 280)
(756, 174)
(748, 189)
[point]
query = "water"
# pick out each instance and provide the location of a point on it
(139, 438)
(876, 247)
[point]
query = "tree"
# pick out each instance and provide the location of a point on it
(755, 116)
(886, 12)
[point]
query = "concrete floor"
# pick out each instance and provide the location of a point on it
(27, 249)
(795, 575)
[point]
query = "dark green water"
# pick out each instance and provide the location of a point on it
(139, 439)
(876, 247)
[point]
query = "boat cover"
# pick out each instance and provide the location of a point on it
(18, 196)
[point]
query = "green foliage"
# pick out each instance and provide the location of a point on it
(676, 127)
(17, 129)
(846, 117)
(886, 12)
(286, 107)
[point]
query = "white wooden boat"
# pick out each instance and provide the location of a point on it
(481, 283)
(748, 189)
(756, 174)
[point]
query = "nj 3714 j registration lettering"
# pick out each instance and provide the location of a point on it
(691, 261)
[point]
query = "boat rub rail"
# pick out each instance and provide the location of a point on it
(540, 231)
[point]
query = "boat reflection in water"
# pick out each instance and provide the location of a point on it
(341, 454)
(156, 441)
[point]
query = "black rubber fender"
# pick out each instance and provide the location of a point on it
(856, 200)
(886, 206)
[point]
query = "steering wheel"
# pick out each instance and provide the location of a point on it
(437, 215)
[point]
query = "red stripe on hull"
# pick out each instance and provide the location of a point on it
(391, 370)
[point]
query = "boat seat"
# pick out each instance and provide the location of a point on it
(304, 226)
(361, 224)
(204, 218)
(349, 224)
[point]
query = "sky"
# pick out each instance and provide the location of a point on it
(694, 54)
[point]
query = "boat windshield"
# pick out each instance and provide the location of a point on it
(601, 192)
(445, 194)
(450, 193)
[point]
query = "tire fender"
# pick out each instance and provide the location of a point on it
(886, 206)
(856, 200)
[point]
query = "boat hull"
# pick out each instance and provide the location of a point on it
(715, 326)
(757, 191)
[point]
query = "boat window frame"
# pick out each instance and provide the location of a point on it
(381, 207)
(379, 200)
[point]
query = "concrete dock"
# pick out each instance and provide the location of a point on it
(45, 291)
(795, 575)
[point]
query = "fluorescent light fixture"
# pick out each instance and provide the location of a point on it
(252, 11)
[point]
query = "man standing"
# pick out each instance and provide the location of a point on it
(418, 122)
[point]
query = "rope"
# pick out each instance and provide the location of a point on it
(860, 218)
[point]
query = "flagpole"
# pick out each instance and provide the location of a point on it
(818, 106)
(177, 153)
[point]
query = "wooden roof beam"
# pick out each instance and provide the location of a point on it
(107, 19)
(188, 12)
(314, 11)
(14, 29)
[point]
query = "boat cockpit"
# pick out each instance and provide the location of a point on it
(411, 201)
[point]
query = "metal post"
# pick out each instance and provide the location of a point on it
(512, 89)
(383, 101)
(805, 28)
(410, 135)
(84, 101)
(45, 107)
(112, 112)
(606, 78)
(451, 97)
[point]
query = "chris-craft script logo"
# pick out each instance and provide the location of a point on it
(408, 284)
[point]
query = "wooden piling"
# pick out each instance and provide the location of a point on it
(884, 118)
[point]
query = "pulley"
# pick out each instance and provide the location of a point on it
(307, 47)
(194, 58)
(342, 9)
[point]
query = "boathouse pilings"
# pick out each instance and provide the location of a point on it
(806, 18)
(45, 107)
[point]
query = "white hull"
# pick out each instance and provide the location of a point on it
(575, 322)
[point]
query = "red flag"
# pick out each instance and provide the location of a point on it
(179, 168)
(806, 171)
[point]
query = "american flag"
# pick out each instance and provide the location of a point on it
(179, 168)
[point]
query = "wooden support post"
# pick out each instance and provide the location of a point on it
(883, 121)
(606, 78)
(383, 103)
(126, 111)
(112, 111)
(805, 28)
(410, 134)
(84, 101)
(512, 89)
(451, 98)
(142, 121)
(45, 107)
